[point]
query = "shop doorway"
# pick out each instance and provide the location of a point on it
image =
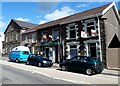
(56, 54)
(93, 49)
(47, 52)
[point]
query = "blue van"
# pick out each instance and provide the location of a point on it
(19, 54)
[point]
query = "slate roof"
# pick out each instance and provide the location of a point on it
(21, 24)
(24, 24)
(75, 17)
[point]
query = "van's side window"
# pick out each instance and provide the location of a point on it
(25, 52)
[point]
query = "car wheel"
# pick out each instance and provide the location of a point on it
(39, 64)
(63, 68)
(27, 63)
(99, 72)
(16, 60)
(89, 71)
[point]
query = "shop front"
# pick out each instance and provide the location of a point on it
(51, 50)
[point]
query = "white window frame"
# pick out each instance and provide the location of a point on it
(85, 26)
(69, 29)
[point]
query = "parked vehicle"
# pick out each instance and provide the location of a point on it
(89, 65)
(39, 60)
(19, 53)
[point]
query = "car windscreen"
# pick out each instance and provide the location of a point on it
(25, 52)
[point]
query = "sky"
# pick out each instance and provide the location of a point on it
(41, 12)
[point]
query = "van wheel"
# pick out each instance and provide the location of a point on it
(89, 71)
(16, 60)
(63, 68)
(39, 64)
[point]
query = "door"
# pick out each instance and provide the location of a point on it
(73, 51)
(56, 54)
(47, 52)
(93, 49)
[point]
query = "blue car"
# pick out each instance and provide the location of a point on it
(19, 54)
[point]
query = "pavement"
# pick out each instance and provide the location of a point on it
(110, 72)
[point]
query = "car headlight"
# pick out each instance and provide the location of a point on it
(44, 61)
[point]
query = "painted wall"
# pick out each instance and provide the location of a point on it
(111, 28)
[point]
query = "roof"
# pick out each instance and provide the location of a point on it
(75, 17)
(24, 24)
(21, 24)
(29, 30)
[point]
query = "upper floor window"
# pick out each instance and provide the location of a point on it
(90, 28)
(26, 39)
(16, 37)
(11, 38)
(72, 31)
(34, 37)
(55, 34)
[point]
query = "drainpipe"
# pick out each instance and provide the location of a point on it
(61, 46)
(99, 38)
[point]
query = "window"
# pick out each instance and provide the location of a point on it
(55, 34)
(74, 59)
(91, 28)
(26, 39)
(25, 52)
(16, 37)
(34, 37)
(83, 59)
(72, 31)
(11, 38)
(73, 50)
(72, 34)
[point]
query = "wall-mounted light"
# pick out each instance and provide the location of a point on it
(44, 36)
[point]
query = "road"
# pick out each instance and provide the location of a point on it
(12, 75)
(20, 73)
